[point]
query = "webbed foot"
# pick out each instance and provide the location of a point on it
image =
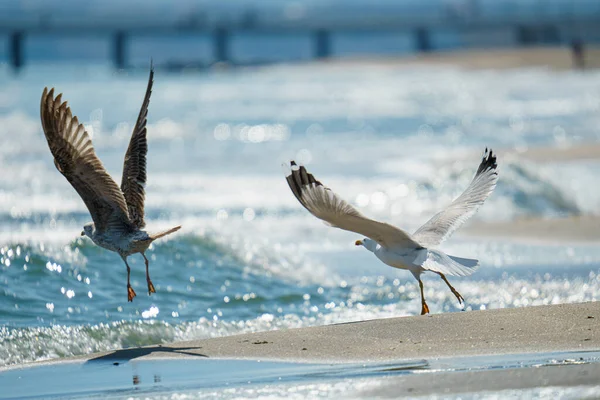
(130, 293)
(150, 288)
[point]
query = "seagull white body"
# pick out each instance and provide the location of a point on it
(117, 212)
(416, 260)
(416, 253)
(400, 258)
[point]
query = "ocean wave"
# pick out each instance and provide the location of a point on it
(533, 193)
(523, 190)
(80, 282)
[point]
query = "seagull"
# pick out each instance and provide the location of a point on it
(117, 213)
(416, 253)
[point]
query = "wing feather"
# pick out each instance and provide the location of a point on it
(134, 167)
(442, 225)
(329, 207)
(75, 158)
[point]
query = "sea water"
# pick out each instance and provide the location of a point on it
(200, 377)
(398, 142)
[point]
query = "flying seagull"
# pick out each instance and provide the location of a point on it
(117, 213)
(392, 245)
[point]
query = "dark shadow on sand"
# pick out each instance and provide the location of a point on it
(126, 355)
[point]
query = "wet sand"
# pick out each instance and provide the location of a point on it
(558, 377)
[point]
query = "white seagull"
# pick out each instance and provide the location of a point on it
(392, 245)
(118, 213)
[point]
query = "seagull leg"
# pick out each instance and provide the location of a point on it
(461, 300)
(130, 292)
(424, 307)
(150, 285)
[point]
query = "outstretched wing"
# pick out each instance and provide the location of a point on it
(75, 158)
(444, 223)
(329, 207)
(134, 168)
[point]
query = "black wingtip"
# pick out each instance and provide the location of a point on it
(299, 179)
(288, 168)
(300, 176)
(488, 161)
(293, 181)
(151, 75)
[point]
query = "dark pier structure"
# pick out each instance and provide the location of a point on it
(546, 30)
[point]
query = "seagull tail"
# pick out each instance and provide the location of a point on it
(438, 261)
(158, 235)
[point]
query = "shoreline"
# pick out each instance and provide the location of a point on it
(512, 350)
(530, 349)
(563, 327)
(499, 381)
(534, 329)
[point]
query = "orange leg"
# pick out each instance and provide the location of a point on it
(150, 285)
(424, 307)
(461, 300)
(130, 292)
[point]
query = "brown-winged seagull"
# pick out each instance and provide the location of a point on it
(117, 213)
(392, 245)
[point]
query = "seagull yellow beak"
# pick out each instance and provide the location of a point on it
(358, 243)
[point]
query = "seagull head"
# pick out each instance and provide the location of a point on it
(367, 243)
(88, 229)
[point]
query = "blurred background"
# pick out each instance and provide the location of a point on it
(200, 33)
(389, 103)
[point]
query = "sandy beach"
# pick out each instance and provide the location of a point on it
(552, 57)
(558, 58)
(580, 229)
(532, 347)
(563, 327)
(571, 153)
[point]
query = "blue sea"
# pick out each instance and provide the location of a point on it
(399, 142)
